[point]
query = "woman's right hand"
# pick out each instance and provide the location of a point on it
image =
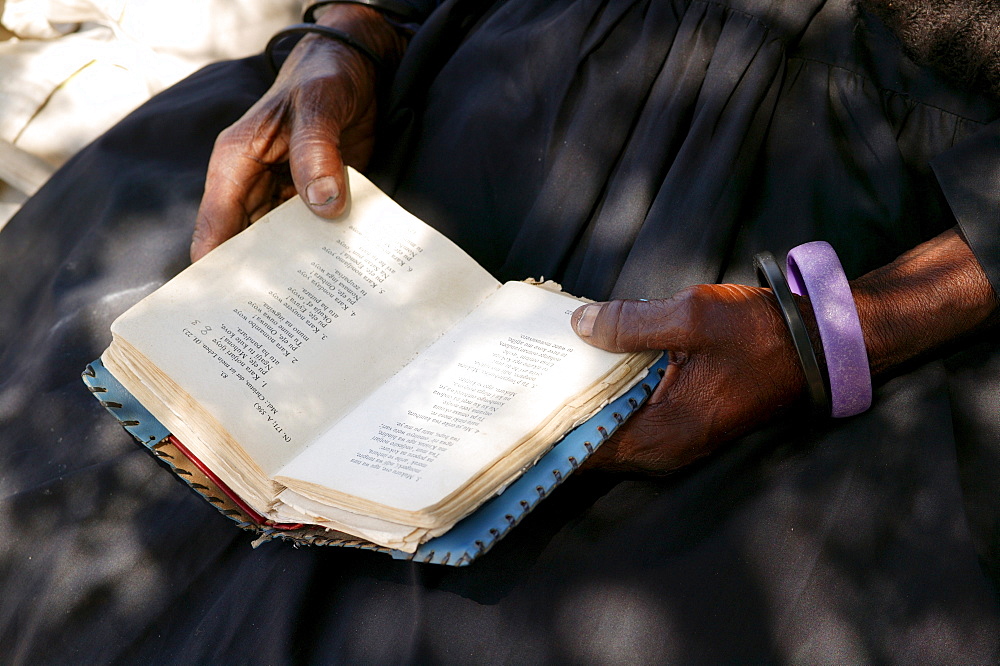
(318, 116)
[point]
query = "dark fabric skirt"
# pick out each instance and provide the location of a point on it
(625, 148)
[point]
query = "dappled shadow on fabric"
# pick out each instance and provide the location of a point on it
(806, 541)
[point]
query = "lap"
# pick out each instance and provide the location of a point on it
(797, 543)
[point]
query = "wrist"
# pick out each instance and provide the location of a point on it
(367, 25)
(929, 296)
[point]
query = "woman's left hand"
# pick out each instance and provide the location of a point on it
(733, 364)
(733, 367)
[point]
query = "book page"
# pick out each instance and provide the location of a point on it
(465, 403)
(285, 327)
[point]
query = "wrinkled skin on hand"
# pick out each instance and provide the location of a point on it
(733, 364)
(318, 116)
(732, 368)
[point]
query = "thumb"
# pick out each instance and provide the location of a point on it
(628, 325)
(317, 166)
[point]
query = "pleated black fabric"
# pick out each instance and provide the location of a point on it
(718, 129)
(624, 147)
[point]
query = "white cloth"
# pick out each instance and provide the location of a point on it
(69, 69)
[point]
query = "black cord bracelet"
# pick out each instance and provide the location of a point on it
(312, 28)
(769, 274)
(398, 9)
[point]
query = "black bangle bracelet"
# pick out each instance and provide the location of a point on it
(770, 274)
(311, 28)
(398, 9)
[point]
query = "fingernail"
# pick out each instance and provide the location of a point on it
(585, 325)
(322, 191)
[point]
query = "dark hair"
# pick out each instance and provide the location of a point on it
(959, 38)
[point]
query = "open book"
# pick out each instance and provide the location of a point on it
(362, 375)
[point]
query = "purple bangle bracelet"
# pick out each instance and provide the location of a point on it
(815, 271)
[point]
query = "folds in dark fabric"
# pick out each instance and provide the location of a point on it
(625, 148)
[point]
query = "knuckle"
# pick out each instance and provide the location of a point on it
(619, 326)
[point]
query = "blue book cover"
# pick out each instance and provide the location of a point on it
(470, 538)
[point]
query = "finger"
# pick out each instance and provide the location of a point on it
(237, 186)
(316, 163)
(628, 326)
